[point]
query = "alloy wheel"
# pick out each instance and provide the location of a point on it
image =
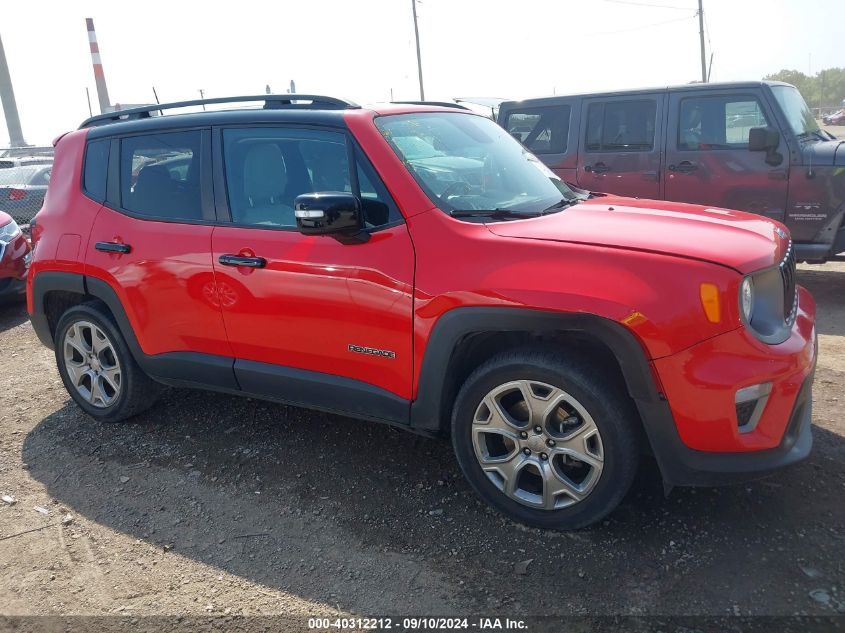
(92, 364)
(537, 444)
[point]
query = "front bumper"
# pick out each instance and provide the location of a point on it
(695, 432)
(15, 258)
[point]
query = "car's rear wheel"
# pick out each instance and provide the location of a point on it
(546, 439)
(98, 369)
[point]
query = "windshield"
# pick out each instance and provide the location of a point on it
(17, 175)
(466, 162)
(798, 115)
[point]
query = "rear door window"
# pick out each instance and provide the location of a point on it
(718, 122)
(543, 130)
(160, 175)
(621, 126)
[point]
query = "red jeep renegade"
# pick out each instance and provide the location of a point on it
(415, 265)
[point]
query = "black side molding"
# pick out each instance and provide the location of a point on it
(324, 392)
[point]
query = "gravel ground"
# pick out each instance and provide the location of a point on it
(211, 504)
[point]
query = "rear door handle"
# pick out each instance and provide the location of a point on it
(113, 247)
(683, 167)
(598, 168)
(651, 175)
(239, 260)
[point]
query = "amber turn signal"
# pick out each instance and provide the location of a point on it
(710, 302)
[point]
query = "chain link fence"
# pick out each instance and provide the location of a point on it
(24, 177)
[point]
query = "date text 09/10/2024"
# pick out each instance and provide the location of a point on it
(415, 624)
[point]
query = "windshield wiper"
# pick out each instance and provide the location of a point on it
(561, 204)
(810, 134)
(497, 214)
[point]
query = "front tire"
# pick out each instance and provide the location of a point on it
(548, 439)
(97, 368)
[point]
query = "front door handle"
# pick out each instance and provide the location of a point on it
(598, 168)
(240, 260)
(778, 174)
(113, 247)
(683, 167)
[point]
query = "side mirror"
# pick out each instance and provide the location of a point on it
(335, 213)
(763, 139)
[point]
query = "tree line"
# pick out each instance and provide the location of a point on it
(825, 89)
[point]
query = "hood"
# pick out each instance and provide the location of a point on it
(824, 153)
(741, 241)
(5, 218)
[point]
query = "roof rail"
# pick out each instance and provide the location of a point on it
(270, 102)
(442, 104)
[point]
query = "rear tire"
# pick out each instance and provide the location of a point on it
(97, 368)
(548, 439)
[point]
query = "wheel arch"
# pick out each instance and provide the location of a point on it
(53, 292)
(465, 337)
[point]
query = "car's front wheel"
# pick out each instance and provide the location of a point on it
(98, 369)
(545, 438)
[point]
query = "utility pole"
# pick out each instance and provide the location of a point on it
(701, 37)
(10, 107)
(419, 58)
(99, 77)
(202, 96)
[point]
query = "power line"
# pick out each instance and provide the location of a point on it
(646, 26)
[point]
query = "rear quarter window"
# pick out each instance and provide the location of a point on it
(95, 174)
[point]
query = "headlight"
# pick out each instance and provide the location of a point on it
(9, 231)
(746, 298)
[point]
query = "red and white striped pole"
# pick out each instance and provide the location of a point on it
(99, 77)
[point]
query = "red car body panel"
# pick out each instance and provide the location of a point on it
(700, 383)
(181, 314)
(740, 240)
(69, 215)
(317, 296)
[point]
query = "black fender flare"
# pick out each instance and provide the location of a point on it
(210, 370)
(42, 284)
(457, 324)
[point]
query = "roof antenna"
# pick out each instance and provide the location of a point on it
(155, 94)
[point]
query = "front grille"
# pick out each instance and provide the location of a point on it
(787, 275)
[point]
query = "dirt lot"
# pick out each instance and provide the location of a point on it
(210, 504)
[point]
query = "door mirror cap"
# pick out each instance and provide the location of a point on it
(763, 139)
(328, 213)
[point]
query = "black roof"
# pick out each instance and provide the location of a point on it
(693, 87)
(247, 116)
(301, 109)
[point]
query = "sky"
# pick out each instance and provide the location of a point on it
(364, 49)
